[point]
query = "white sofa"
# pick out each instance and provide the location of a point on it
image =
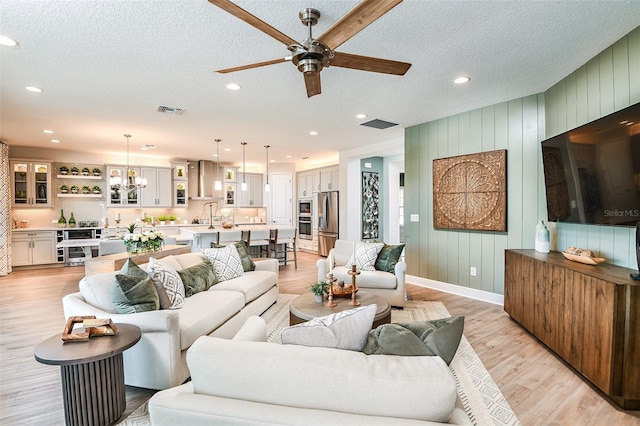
(254, 382)
(384, 284)
(158, 360)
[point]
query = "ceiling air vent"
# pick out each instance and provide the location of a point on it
(379, 124)
(169, 110)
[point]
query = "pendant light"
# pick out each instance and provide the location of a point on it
(218, 183)
(243, 187)
(267, 187)
(131, 182)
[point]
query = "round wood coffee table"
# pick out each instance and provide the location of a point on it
(304, 307)
(92, 374)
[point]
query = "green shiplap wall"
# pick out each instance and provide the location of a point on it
(607, 83)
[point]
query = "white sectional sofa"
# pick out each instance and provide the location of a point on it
(389, 286)
(254, 382)
(158, 360)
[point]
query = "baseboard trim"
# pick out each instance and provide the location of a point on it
(471, 293)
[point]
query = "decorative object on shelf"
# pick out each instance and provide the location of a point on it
(64, 189)
(267, 187)
(581, 255)
(370, 208)
(62, 221)
(319, 288)
(542, 238)
(97, 171)
(92, 326)
(132, 182)
(217, 185)
(72, 221)
(64, 170)
(75, 171)
(146, 241)
(470, 192)
(243, 186)
(85, 189)
(74, 189)
(353, 272)
(96, 189)
(85, 171)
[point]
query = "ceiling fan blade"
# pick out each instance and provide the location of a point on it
(255, 22)
(312, 81)
(255, 65)
(367, 63)
(355, 21)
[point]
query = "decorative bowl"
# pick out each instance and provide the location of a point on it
(587, 260)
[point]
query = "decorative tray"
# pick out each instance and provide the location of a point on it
(583, 259)
(342, 291)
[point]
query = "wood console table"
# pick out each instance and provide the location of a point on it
(113, 262)
(589, 315)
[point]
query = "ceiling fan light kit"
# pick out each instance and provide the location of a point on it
(312, 55)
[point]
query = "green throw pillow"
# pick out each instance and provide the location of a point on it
(133, 290)
(388, 257)
(247, 262)
(439, 337)
(198, 278)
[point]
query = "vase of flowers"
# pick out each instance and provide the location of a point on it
(143, 242)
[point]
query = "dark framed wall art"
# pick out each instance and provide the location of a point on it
(470, 192)
(370, 205)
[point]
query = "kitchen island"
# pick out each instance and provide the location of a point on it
(203, 237)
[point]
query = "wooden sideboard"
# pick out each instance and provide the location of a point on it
(588, 315)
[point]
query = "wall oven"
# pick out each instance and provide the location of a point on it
(74, 256)
(304, 228)
(305, 207)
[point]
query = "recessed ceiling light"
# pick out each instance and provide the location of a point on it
(6, 41)
(361, 116)
(313, 133)
(233, 86)
(147, 147)
(33, 89)
(228, 149)
(289, 156)
(55, 140)
(214, 155)
(47, 131)
(461, 80)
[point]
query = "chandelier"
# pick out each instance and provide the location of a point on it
(132, 181)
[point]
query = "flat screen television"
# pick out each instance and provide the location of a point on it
(592, 173)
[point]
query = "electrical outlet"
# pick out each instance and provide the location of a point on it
(54, 220)
(473, 271)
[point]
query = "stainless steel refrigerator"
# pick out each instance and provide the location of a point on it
(327, 221)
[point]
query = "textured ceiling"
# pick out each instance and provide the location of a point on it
(105, 65)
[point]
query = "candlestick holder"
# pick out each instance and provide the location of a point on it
(329, 279)
(118, 228)
(105, 232)
(353, 272)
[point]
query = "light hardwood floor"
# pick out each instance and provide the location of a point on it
(541, 389)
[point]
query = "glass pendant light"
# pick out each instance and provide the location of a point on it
(131, 181)
(243, 187)
(218, 183)
(267, 187)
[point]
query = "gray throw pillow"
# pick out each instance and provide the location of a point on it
(388, 257)
(133, 290)
(198, 278)
(439, 337)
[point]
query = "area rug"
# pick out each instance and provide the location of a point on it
(481, 397)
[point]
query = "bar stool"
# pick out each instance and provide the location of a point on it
(258, 240)
(226, 237)
(283, 242)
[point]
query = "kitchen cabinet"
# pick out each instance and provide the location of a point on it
(33, 248)
(329, 179)
(230, 194)
(117, 196)
(252, 197)
(180, 171)
(230, 174)
(305, 185)
(158, 191)
(180, 194)
(315, 181)
(30, 184)
(586, 314)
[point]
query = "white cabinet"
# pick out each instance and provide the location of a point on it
(252, 197)
(180, 191)
(158, 191)
(315, 181)
(30, 184)
(33, 248)
(305, 185)
(329, 179)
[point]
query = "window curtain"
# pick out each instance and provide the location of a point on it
(5, 211)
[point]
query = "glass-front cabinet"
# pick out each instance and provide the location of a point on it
(30, 184)
(180, 191)
(230, 194)
(118, 196)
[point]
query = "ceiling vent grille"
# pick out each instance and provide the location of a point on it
(379, 124)
(169, 110)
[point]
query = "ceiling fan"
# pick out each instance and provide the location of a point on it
(312, 55)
